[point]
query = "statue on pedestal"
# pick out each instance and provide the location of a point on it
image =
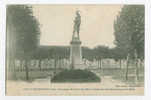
(75, 45)
(77, 23)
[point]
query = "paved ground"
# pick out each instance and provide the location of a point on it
(107, 86)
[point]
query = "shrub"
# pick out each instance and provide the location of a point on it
(76, 76)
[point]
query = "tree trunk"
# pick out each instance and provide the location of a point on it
(136, 65)
(55, 65)
(39, 65)
(120, 63)
(26, 70)
(137, 70)
(100, 63)
(21, 64)
(35, 63)
(12, 69)
(63, 62)
(47, 63)
(60, 63)
(127, 65)
(141, 63)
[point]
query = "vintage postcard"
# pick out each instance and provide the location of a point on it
(75, 50)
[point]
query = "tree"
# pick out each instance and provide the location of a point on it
(87, 53)
(22, 33)
(40, 54)
(101, 52)
(117, 54)
(129, 32)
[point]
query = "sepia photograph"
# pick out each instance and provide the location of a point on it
(75, 50)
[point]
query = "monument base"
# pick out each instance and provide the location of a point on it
(76, 54)
(80, 66)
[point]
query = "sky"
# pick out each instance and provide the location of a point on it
(56, 24)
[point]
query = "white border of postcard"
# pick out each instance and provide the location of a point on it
(147, 94)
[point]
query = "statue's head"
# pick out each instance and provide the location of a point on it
(78, 12)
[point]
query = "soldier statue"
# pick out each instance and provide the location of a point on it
(77, 23)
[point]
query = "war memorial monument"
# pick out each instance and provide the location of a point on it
(75, 45)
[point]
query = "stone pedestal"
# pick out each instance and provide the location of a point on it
(75, 53)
